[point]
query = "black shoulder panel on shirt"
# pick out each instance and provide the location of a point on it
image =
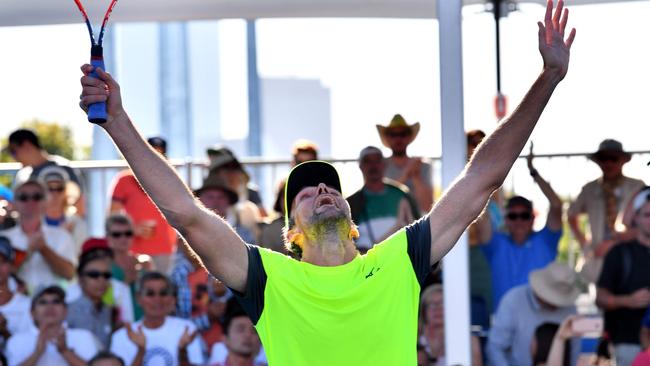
(253, 299)
(418, 235)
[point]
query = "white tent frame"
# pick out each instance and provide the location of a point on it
(448, 12)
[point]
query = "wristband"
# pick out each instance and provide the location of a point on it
(533, 173)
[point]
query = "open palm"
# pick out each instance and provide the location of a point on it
(554, 48)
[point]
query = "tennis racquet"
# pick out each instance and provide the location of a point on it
(96, 111)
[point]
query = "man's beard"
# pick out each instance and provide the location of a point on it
(323, 225)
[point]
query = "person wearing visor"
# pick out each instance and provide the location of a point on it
(333, 305)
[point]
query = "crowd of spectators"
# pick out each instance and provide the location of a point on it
(141, 296)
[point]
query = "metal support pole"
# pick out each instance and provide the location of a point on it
(456, 274)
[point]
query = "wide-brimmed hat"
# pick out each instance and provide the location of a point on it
(221, 156)
(610, 147)
(308, 174)
(214, 182)
(556, 284)
(398, 122)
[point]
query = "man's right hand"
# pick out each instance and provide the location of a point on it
(136, 336)
(104, 89)
(639, 299)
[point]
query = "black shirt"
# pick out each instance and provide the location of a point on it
(625, 270)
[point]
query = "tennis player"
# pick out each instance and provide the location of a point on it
(335, 306)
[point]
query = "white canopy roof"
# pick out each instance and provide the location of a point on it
(39, 12)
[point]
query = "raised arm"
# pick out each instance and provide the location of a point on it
(554, 218)
(494, 157)
(222, 251)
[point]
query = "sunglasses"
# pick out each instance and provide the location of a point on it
(56, 189)
(119, 234)
(153, 293)
(36, 197)
(97, 274)
(519, 216)
(607, 158)
(399, 134)
(44, 302)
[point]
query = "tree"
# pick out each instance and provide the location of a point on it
(55, 138)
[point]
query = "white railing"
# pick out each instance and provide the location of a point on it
(567, 172)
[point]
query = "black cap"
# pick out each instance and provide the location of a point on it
(159, 142)
(308, 174)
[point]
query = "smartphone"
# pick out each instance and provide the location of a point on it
(587, 325)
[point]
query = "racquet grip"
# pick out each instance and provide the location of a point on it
(97, 111)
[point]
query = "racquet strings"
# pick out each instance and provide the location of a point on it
(89, 26)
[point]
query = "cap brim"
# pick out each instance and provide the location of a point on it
(309, 174)
(232, 196)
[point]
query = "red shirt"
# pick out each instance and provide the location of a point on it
(141, 208)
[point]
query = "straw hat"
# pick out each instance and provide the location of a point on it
(398, 122)
(556, 284)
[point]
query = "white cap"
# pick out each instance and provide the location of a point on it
(641, 198)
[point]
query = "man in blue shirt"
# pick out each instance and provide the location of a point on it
(518, 251)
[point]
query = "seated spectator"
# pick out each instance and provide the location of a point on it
(157, 337)
(49, 251)
(382, 206)
(151, 233)
(414, 172)
(63, 193)
(225, 166)
(217, 196)
(271, 229)
(200, 297)
(105, 358)
(514, 254)
(89, 311)
(127, 265)
(623, 287)
(549, 297)
(432, 326)
(14, 306)
(242, 345)
(50, 342)
(117, 295)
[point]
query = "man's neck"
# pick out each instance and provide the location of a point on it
(36, 159)
(30, 224)
(329, 253)
(399, 158)
(375, 186)
(614, 179)
(234, 359)
(153, 322)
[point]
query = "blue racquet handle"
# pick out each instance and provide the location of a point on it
(97, 111)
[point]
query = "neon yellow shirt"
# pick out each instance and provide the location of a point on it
(360, 313)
